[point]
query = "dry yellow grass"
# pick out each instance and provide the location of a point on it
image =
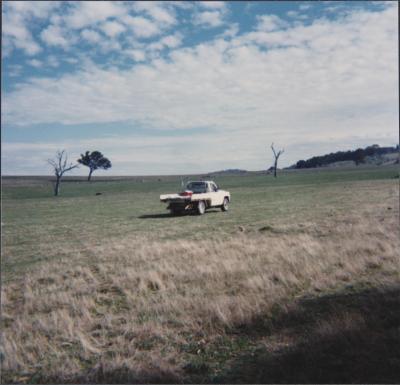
(133, 309)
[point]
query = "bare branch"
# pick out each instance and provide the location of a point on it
(273, 150)
(277, 154)
(64, 166)
(52, 163)
(71, 166)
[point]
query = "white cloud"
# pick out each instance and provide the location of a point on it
(39, 9)
(107, 46)
(91, 36)
(100, 23)
(101, 42)
(297, 15)
(16, 18)
(89, 13)
(35, 63)
(53, 36)
(17, 35)
(142, 27)
(209, 19)
(170, 41)
(213, 4)
(210, 14)
(231, 77)
(231, 31)
(304, 7)
(112, 28)
(136, 54)
(157, 11)
(270, 23)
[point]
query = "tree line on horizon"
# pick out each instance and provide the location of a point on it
(358, 156)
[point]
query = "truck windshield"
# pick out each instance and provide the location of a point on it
(197, 187)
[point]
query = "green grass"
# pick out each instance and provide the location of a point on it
(304, 258)
(33, 217)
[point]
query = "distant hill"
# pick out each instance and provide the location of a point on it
(229, 171)
(374, 154)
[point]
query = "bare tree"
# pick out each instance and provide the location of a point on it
(61, 166)
(276, 155)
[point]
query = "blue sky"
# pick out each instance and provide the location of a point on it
(182, 87)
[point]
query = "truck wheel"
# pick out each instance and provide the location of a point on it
(225, 205)
(201, 208)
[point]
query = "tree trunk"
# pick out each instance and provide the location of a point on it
(275, 166)
(57, 186)
(90, 175)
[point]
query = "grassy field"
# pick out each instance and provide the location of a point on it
(302, 273)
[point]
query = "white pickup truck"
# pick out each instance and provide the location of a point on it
(197, 196)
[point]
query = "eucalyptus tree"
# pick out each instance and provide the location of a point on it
(94, 160)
